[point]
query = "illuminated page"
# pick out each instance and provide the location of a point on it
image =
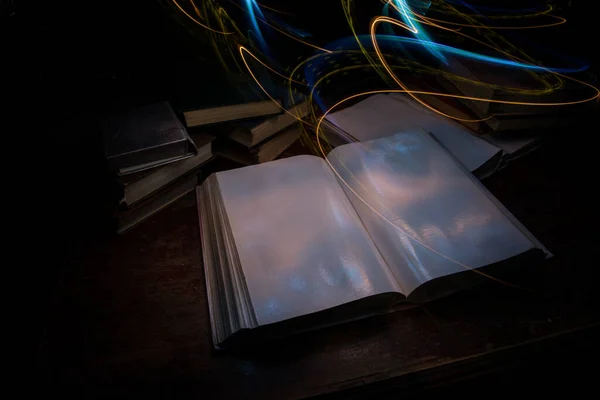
(301, 245)
(426, 214)
(384, 115)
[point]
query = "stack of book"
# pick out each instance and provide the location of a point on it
(157, 157)
(251, 123)
(154, 159)
(252, 136)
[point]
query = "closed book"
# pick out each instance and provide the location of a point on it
(232, 112)
(214, 96)
(210, 95)
(265, 151)
(145, 137)
(138, 186)
(253, 132)
(129, 218)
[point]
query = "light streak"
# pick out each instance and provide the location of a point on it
(412, 25)
(252, 9)
(559, 21)
(378, 20)
(274, 10)
(196, 21)
(243, 50)
(264, 21)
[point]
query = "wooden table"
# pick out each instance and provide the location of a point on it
(130, 316)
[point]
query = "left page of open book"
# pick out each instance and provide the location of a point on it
(301, 245)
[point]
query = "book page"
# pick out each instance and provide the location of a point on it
(426, 215)
(301, 245)
(384, 115)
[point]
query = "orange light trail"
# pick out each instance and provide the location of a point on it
(377, 20)
(559, 22)
(424, 19)
(282, 31)
(198, 22)
(272, 9)
(242, 49)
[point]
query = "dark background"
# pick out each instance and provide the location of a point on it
(66, 63)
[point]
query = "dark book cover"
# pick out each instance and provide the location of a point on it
(145, 137)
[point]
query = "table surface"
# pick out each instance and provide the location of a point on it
(130, 312)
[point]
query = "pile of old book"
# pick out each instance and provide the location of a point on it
(157, 153)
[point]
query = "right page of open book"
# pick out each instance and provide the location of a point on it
(426, 215)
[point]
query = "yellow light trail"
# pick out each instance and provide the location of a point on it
(282, 31)
(242, 49)
(198, 22)
(377, 20)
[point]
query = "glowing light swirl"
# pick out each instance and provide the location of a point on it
(376, 21)
(409, 14)
(196, 21)
(264, 21)
(243, 50)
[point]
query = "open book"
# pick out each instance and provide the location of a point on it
(303, 242)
